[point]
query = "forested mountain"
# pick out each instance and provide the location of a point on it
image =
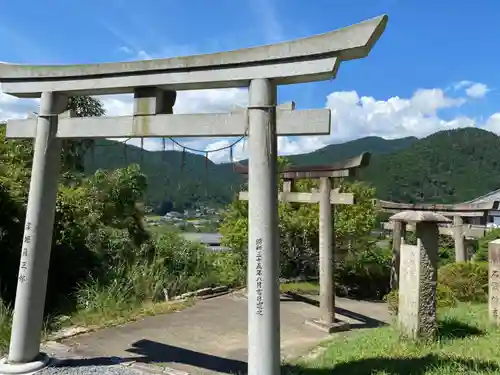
(332, 153)
(448, 166)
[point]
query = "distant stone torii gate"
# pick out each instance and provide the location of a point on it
(459, 230)
(154, 84)
(326, 197)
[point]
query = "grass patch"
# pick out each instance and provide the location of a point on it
(124, 313)
(153, 217)
(50, 324)
(300, 288)
(162, 229)
(467, 344)
(5, 324)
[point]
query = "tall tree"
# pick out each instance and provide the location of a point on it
(74, 151)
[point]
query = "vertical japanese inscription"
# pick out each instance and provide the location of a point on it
(494, 282)
(24, 253)
(259, 279)
(409, 289)
(494, 292)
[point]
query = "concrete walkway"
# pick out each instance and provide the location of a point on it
(211, 336)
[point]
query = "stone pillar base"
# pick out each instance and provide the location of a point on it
(24, 368)
(337, 326)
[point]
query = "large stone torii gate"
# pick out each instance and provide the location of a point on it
(154, 84)
(326, 197)
(456, 211)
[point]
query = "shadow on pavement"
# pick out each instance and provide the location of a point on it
(365, 321)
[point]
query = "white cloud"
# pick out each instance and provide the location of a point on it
(126, 49)
(477, 90)
(353, 116)
(472, 89)
(462, 84)
(200, 101)
(493, 123)
(11, 107)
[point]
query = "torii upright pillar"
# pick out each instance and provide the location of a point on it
(326, 259)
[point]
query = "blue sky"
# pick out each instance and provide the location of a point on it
(434, 68)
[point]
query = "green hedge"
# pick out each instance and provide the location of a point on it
(364, 274)
(467, 280)
(445, 298)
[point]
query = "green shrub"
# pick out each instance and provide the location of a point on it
(229, 267)
(446, 255)
(482, 248)
(168, 263)
(364, 274)
(467, 280)
(444, 296)
(446, 242)
(392, 299)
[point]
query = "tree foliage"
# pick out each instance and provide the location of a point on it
(449, 166)
(103, 259)
(87, 211)
(74, 151)
(299, 224)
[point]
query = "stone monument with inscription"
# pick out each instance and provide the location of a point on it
(418, 275)
(154, 84)
(458, 230)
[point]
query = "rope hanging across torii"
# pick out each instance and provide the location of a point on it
(206, 153)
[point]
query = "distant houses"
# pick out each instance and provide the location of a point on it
(211, 240)
(200, 219)
(493, 217)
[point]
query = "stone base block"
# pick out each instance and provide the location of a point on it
(337, 326)
(24, 368)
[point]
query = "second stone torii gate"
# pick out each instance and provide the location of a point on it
(456, 211)
(326, 197)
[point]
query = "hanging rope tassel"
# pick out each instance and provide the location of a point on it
(185, 148)
(206, 173)
(164, 148)
(231, 158)
(142, 149)
(183, 160)
(244, 146)
(125, 151)
(92, 154)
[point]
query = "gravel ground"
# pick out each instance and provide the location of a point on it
(88, 366)
(88, 370)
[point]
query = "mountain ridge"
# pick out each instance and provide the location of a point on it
(409, 169)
